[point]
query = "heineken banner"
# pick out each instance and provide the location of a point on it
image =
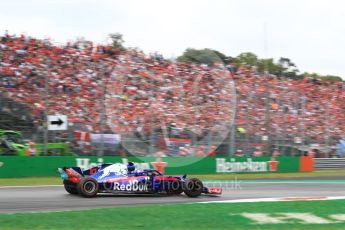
(16, 166)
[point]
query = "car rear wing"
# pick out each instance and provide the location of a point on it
(74, 174)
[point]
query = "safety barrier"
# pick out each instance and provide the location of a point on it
(329, 163)
(16, 166)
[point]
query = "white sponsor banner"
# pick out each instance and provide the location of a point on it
(246, 166)
(106, 138)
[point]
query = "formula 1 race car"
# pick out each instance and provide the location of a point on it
(121, 178)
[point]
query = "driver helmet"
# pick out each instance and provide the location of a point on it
(130, 167)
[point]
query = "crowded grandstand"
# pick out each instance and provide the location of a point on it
(164, 104)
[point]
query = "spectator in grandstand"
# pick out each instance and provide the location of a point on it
(257, 152)
(275, 152)
(156, 96)
(239, 153)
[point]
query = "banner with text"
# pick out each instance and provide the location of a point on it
(16, 166)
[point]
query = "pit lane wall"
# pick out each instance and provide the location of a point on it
(16, 166)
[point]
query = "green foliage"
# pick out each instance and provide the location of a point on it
(288, 68)
(81, 43)
(283, 67)
(116, 41)
(270, 66)
(203, 56)
(330, 78)
(248, 59)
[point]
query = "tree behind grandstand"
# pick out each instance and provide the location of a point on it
(116, 41)
(283, 67)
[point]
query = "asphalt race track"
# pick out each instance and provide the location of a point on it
(55, 198)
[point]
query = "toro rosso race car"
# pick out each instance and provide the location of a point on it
(121, 178)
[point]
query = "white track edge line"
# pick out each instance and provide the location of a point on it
(250, 200)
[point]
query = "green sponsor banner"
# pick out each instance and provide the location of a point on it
(17, 166)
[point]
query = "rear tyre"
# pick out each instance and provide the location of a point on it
(193, 187)
(88, 187)
(70, 187)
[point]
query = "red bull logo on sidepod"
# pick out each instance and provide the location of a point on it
(133, 185)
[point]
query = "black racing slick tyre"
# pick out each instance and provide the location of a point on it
(88, 187)
(193, 187)
(70, 187)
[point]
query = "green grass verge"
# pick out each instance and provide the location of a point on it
(229, 176)
(30, 181)
(178, 216)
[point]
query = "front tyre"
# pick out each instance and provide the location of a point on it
(70, 187)
(193, 187)
(88, 187)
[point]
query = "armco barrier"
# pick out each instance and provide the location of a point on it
(329, 163)
(15, 166)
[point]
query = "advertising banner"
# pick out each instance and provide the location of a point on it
(105, 138)
(16, 166)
